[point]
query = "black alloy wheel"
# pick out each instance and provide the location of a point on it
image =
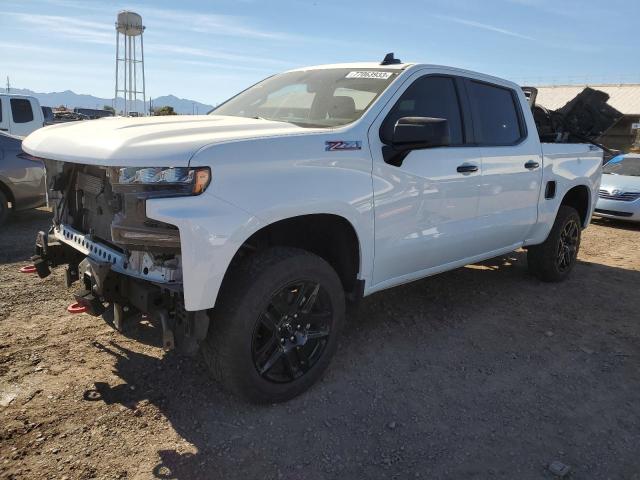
(292, 332)
(568, 245)
(554, 259)
(276, 324)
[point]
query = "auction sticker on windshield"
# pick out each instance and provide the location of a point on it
(366, 74)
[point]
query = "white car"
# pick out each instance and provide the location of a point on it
(245, 231)
(20, 114)
(619, 195)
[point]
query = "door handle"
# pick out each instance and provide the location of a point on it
(531, 165)
(467, 168)
(4, 129)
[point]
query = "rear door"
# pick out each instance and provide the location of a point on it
(511, 165)
(23, 118)
(426, 208)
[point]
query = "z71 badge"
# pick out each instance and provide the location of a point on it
(343, 145)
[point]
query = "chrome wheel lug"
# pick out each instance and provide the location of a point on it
(293, 338)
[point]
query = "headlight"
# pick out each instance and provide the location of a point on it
(193, 180)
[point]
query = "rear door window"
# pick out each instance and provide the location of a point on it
(21, 110)
(428, 96)
(497, 119)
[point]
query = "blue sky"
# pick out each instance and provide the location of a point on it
(209, 50)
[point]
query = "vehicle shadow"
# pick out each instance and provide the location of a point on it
(619, 224)
(21, 226)
(464, 364)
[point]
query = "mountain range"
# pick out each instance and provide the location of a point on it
(71, 100)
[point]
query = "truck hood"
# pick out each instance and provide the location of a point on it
(624, 183)
(146, 142)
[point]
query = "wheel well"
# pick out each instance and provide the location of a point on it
(7, 192)
(329, 236)
(578, 198)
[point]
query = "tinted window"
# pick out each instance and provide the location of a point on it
(21, 110)
(496, 116)
(0, 110)
(427, 97)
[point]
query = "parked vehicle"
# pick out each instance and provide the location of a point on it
(20, 114)
(93, 113)
(21, 178)
(48, 115)
(619, 194)
(247, 230)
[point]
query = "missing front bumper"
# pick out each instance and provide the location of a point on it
(109, 277)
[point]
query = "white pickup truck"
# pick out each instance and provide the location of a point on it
(246, 231)
(20, 114)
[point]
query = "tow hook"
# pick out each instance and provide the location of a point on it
(92, 304)
(76, 308)
(93, 274)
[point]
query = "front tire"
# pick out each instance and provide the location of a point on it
(276, 324)
(553, 260)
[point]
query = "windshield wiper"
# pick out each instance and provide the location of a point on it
(270, 119)
(292, 122)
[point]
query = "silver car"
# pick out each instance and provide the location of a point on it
(21, 178)
(619, 195)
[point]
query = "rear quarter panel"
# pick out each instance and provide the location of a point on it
(569, 165)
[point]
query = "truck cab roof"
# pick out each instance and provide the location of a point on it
(408, 67)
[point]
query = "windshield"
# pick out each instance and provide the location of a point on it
(312, 98)
(623, 165)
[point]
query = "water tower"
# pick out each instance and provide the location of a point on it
(130, 63)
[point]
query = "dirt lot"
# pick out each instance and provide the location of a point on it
(483, 372)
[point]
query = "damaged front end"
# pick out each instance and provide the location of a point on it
(121, 259)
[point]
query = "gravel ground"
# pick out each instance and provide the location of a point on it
(482, 372)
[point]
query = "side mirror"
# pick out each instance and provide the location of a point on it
(415, 133)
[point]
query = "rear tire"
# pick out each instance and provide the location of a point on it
(4, 208)
(553, 260)
(275, 326)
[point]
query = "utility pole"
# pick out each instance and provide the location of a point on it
(8, 84)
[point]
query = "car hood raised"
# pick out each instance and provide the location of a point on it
(624, 183)
(149, 141)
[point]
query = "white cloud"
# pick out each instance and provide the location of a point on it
(68, 27)
(12, 46)
(484, 26)
(181, 20)
(224, 25)
(212, 54)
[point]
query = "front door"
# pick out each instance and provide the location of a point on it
(426, 208)
(4, 117)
